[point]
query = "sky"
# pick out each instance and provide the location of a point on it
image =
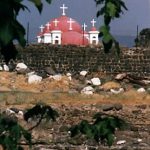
(84, 11)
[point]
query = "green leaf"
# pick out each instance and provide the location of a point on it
(107, 38)
(111, 9)
(110, 139)
(38, 4)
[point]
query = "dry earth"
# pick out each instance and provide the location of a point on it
(73, 107)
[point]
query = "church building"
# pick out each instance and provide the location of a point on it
(65, 30)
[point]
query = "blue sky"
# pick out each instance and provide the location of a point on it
(84, 11)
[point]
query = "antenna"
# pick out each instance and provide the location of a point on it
(137, 36)
(27, 33)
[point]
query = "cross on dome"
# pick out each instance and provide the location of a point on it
(41, 27)
(70, 21)
(48, 25)
(93, 22)
(56, 22)
(84, 26)
(63, 9)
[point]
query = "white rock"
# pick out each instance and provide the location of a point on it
(69, 76)
(30, 73)
(121, 142)
(141, 90)
(120, 76)
(6, 68)
(57, 77)
(83, 73)
(9, 111)
(21, 66)
(34, 79)
(120, 90)
(87, 90)
(96, 81)
(1, 68)
(139, 140)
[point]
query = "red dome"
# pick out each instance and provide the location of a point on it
(93, 29)
(63, 25)
(74, 38)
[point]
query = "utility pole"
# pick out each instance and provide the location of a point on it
(137, 36)
(27, 33)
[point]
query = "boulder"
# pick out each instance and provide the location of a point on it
(141, 90)
(107, 107)
(114, 91)
(34, 79)
(21, 68)
(120, 76)
(88, 90)
(6, 68)
(57, 77)
(1, 68)
(69, 76)
(50, 71)
(96, 81)
(83, 73)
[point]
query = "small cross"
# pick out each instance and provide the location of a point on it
(41, 27)
(48, 25)
(56, 22)
(70, 23)
(84, 26)
(63, 8)
(93, 22)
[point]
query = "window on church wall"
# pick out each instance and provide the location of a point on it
(94, 42)
(56, 42)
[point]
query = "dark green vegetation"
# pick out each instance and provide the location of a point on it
(110, 9)
(10, 27)
(143, 38)
(102, 130)
(11, 133)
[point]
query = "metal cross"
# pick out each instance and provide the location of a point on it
(93, 22)
(84, 26)
(70, 23)
(56, 22)
(48, 25)
(63, 8)
(41, 27)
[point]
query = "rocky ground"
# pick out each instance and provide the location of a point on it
(65, 96)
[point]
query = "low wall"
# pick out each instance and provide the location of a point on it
(72, 58)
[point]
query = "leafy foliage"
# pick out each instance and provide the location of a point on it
(144, 38)
(10, 27)
(11, 133)
(110, 9)
(40, 112)
(102, 130)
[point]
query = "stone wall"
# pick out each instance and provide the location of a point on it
(72, 58)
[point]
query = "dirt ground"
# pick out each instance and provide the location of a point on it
(73, 107)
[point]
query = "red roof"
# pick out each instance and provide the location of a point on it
(63, 25)
(74, 38)
(93, 29)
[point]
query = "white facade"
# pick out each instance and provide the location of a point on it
(56, 37)
(47, 38)
(93, 37)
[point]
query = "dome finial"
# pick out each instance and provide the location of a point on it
(70, 21)
(41, 27)
(63, 8)
(56, 22)
(84, 26)
(93, 23)
(48, 25)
